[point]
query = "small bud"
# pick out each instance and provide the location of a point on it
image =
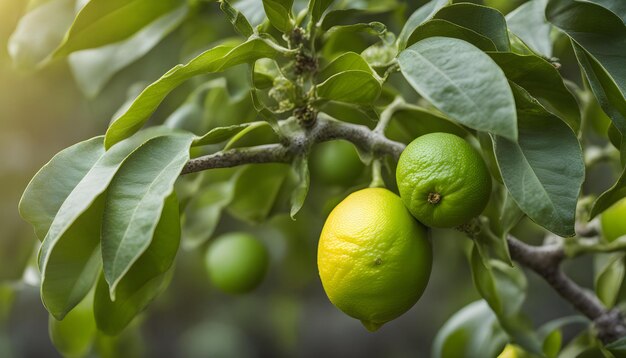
(306, 116)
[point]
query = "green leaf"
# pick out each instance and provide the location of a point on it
(542, 81)
(317, 8)
(484, 281)
(351, 17)
(239, 21)
(256, 190)
(529, 23)
(481, 19)
(610, 197)
(443, 28)
(504, 289)
(471, 332)
(544, 171)
(74, 335)
(279, 14)
(347, 61)
(220, 134)
(135, 200)
(301, 169)
(618, 7)
(146, 278)
(420, 16)
(437, 68)
(605, 89)
(69, 165)
(609, 273)
(39, 32)
(190, 115)
(550, 333)
(353, 86)
(618, 347)
(599, 38)
(93, 68)
(214, 60)
(70, 265)
(204, 212)
(69, 258)
(410, 122)
(102, 22)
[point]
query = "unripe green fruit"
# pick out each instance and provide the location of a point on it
(336, 163)
(613, 221)
(236, 262)
(442, 180)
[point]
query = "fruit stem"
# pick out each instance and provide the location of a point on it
(377, 177)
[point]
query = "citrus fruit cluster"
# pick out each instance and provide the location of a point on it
(374, 254)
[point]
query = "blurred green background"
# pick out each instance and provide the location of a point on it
(289, 315)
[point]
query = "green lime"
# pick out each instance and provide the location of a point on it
(236, 262)
(613, 221)
(442, 180)
(374, 258)
(336, 163)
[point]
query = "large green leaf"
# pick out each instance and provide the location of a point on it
(462, 82)
(146, 278)
(544, 171)
(49, 188)
(39, 32)
(135, 200)
(93, 68)
(70, 267)
(529, 23)
(351, 87)
(472, 332)
(618, 7)
(279, 14)
(102, 22)
(599, 38)
(480, 19)
(443, 28)
(214, 60)
(417, 18)
(69, 257)
(542, 81)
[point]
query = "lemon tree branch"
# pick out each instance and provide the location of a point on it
(546, 262)
(325, 129)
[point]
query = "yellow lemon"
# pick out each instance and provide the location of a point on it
(374, 258)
